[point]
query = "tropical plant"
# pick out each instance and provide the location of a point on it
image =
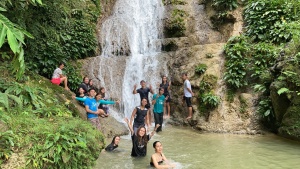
(7, 142)
(201, 68)
(210, 100)
(176, 25)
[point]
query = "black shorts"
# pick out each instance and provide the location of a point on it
(188, 101)
(169, 98)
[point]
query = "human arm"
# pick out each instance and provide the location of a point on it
(132, 115)
(129, 126)
(151, 89)
(106, 102)
(148, 119)
(189, 88)
(87, 109)
(154, 99)
(169, 86)
(152, 133)
(156, 165)
(80, 98)
(134, 89)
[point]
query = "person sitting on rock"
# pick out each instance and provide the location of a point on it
(85, 85)
(58, 76)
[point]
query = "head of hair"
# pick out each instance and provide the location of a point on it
(84, 78)
(142, 81)
(114, 138)
(144, 98)
(161, 88)
(142, 138)
(61, 63)
(184, 74)
(162, 77)
(155, 142)
(98, 94)
(91, 89)
(90, 81)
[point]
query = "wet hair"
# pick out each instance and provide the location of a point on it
(155, 142)
(113, 140)
(142, 138)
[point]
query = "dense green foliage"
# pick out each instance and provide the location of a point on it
(266, 56)
(267, 20)
(43, 124)
(208, 100)
(222, 8)
(63, 31)
(175, 27)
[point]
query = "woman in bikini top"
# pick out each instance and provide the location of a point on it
(158, 158)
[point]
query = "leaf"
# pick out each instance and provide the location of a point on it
(3, 30)
(267, 112)
(66, 157)
(4, 100)
(17, 100)
(2, 9)
(12, 41)
(283, 90)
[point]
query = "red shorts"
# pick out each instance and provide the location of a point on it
(55, 81)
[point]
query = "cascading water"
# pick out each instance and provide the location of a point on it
(132, 31)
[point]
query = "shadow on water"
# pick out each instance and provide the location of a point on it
(191, 149)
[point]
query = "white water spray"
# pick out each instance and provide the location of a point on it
(132, 31)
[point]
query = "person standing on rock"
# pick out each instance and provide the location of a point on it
(143, 91)
(91, 108)
(158, 109)
(140, 116)
(58, 76)
(187, 94)
(166, 85)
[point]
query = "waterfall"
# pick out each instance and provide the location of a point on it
(132, 32)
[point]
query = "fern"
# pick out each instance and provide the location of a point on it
(4, 100)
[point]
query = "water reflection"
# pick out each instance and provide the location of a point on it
(194, 150)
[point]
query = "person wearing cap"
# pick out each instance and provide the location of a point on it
(58, 76)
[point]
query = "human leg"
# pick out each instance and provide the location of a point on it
(95, 122)
(65, 80)
(189, 105)
(168, 108)
(156, 119)
(161, 120)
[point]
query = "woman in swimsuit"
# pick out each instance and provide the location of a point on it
(158, 158)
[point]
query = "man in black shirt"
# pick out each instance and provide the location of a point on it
(143, 91)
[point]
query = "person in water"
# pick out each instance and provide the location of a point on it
(114, 144)
(158, 158)
(140, 116)
(158, 110)
(58, 76)
(139, 139)
(166, 85)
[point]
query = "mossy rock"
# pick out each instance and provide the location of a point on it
(280, 102)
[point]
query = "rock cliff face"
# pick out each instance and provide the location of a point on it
(186, 46)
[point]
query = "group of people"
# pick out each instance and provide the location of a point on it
(94, 102)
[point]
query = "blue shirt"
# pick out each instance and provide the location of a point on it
(92, 103)
(159, 104)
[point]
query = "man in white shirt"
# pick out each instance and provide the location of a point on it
(188, 94)
(58, 76)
